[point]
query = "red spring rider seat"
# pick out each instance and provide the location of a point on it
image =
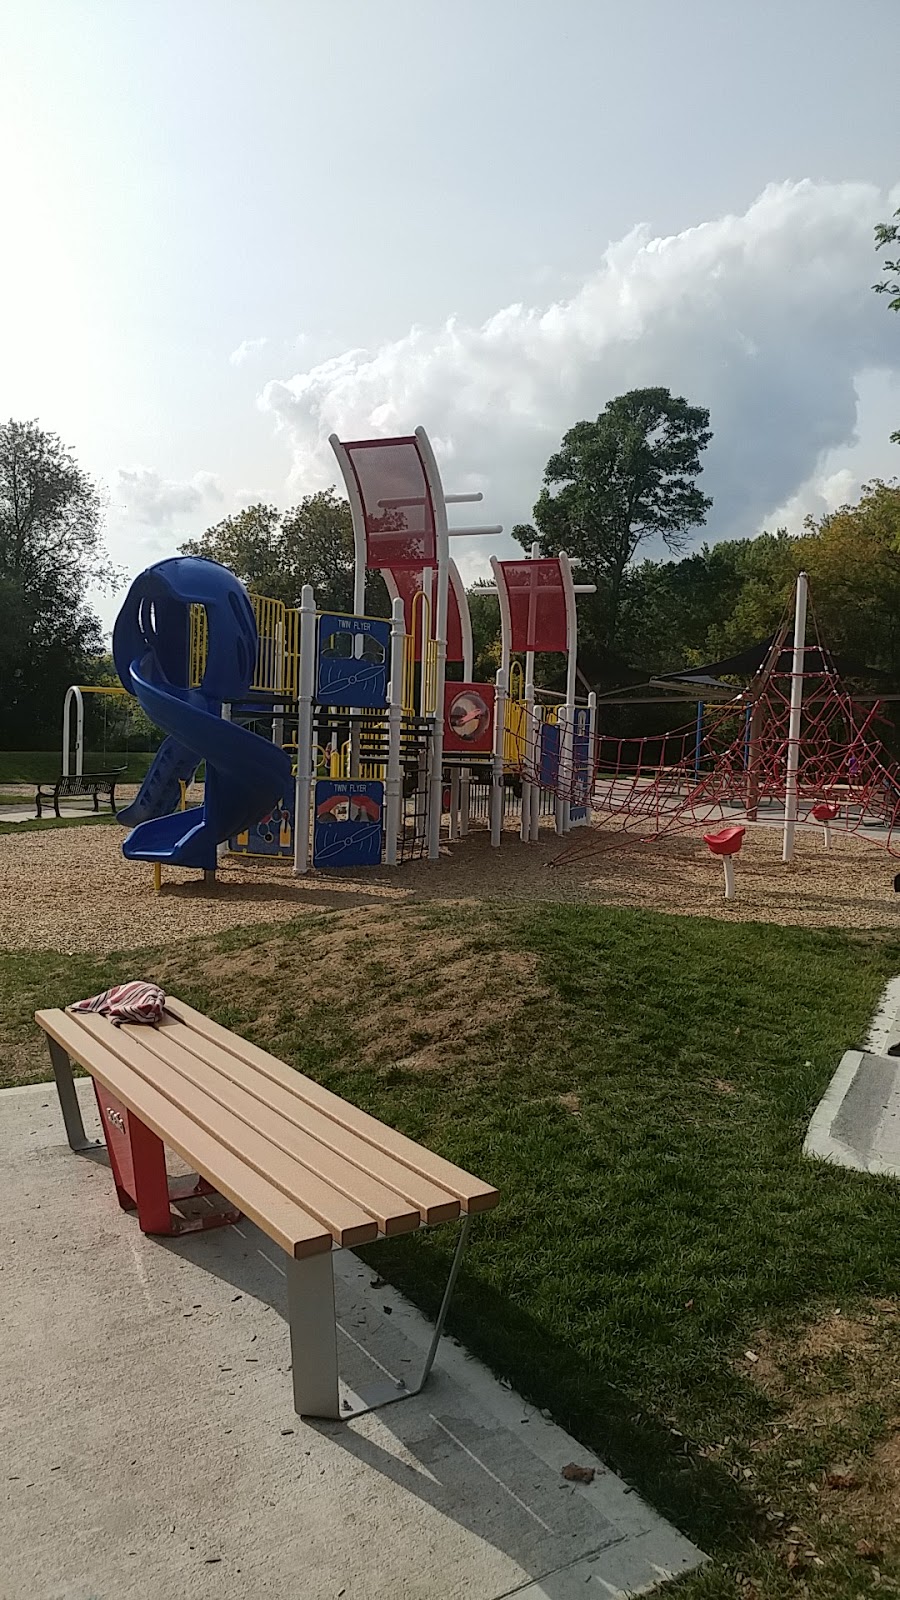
(726, 843)
(825, 812)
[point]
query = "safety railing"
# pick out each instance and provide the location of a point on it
(277, 659)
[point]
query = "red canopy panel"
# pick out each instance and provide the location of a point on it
(408, 581)
(537, 604)
(396, 501)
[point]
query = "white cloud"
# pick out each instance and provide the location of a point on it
(766, 318)
(246, 349)
(157, 501)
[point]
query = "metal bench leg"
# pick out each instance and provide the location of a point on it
(310, 1286)
(314, 1340)
(68, 1100)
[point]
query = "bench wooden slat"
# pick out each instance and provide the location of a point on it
(392, 1213)
(281, 1218)
(348, 1222)
(432, 1203)
(473, 1194)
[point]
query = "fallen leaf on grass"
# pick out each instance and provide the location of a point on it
(841, 1478)
(751, 1355)
(576, 1474)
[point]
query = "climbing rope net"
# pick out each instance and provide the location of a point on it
(735, 765)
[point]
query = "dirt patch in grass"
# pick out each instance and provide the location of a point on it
(429, 995)
(831, 1368)
(837, 1389)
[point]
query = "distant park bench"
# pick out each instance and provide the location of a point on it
(310, 1169)
(88, 785)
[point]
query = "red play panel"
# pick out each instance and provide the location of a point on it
(537, 604)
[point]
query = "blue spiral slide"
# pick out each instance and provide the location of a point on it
(246, 776)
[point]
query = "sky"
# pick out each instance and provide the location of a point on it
(233, 226)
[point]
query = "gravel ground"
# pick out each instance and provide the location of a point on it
(71, 889)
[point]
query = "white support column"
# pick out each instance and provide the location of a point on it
(314, 1360)
(454, 805)
(534, 819)
(532, 752)
(591, 738)
(561, 806)
(530, 729)
(793, 749)
(303, 790)
(393, 789)
(502, 681)
(73, 693)
(465, 626)
(278, 710)
(358, 519)
(567, 732)
(439, 631)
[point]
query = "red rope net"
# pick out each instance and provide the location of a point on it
(735, 765)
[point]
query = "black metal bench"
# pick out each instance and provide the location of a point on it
(70, 787)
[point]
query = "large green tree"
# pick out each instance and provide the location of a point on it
(629, 477)
(51, 550)
(276, 552)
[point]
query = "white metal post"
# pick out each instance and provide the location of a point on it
(590, 739)
(303, 789)
(502, 682)
(534, 828)
(454, 805)
(393, 789)
(531, 728)
(465, 626)
(567, 732)
(793, 749)
(728, 864)
(73, 693)
(439, 631)
(358, 519)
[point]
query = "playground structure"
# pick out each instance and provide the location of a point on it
(384, 744)
(335, 739)
(793, 748)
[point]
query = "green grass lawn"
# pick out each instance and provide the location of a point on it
(33, 766)
(638, 1086)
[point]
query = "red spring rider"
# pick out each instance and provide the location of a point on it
(726, 843)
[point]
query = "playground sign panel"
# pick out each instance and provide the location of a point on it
(352, 665)
(272, 837)
(348, 823)
(469, 718)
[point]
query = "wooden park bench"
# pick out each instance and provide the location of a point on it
(69, 787)
(308, 1168)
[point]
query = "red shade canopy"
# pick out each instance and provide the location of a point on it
(398, 510)
(537, 604)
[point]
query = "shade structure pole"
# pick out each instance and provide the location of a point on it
(793, 748)
(303, 788)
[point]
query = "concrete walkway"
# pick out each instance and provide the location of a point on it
(149, 1447)
(857, 1122)
(28, 814)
